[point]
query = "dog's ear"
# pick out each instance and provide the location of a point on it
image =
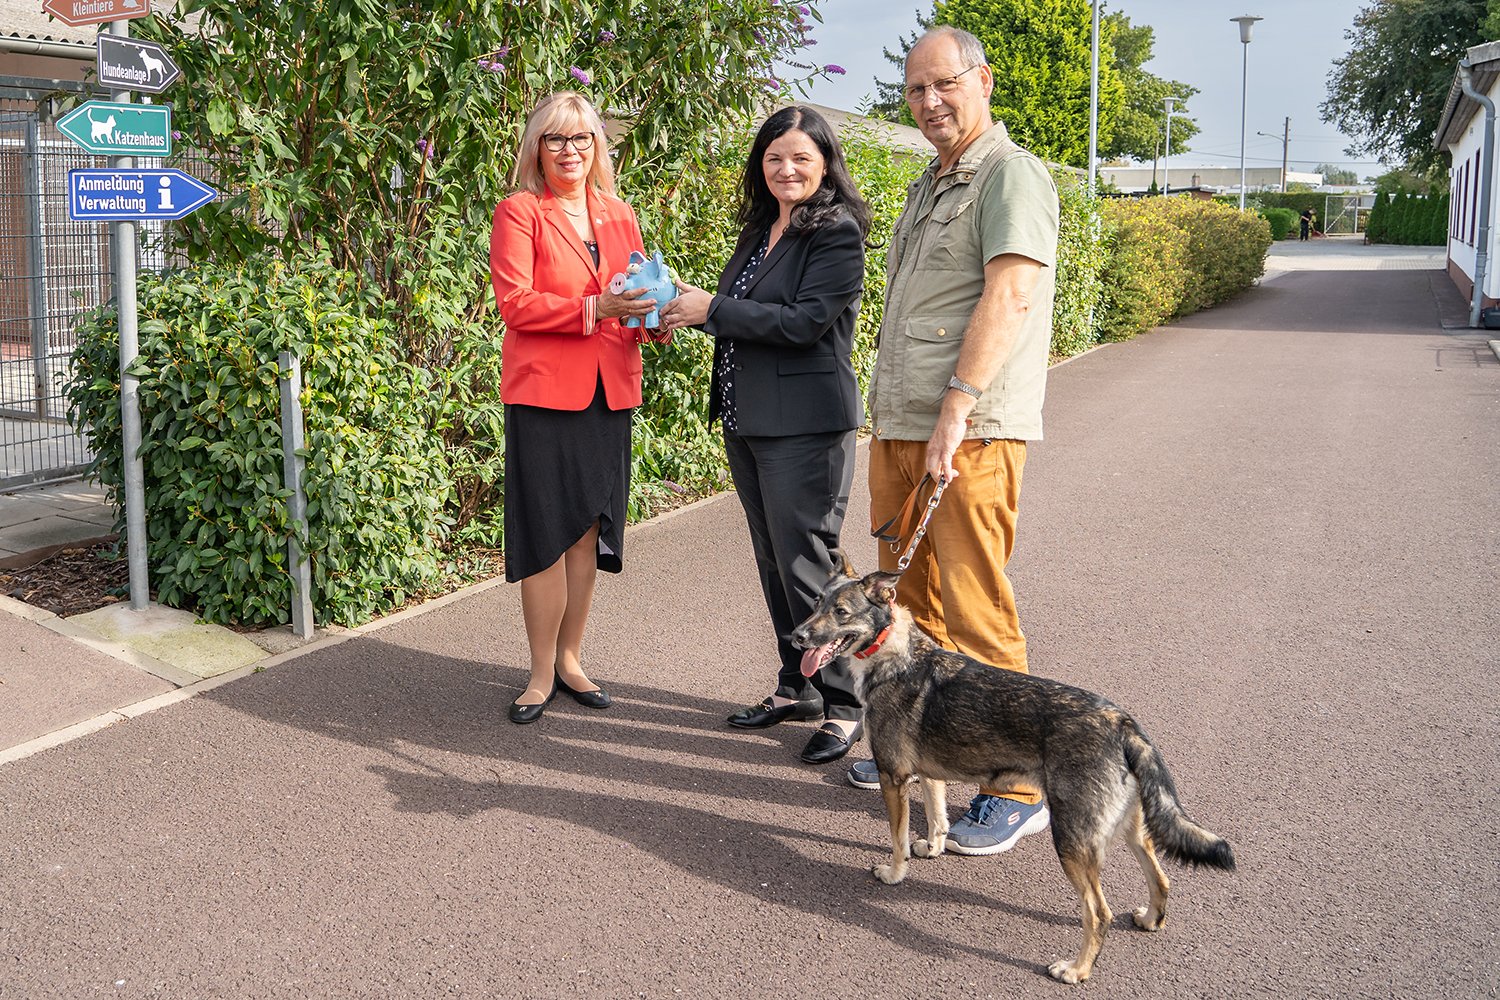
(880, 588)
(841, 563)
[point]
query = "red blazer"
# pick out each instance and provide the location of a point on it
(543, 274)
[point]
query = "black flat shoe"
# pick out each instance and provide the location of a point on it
(588, 699)
(828, 744)
(765, 714)
(522, 714)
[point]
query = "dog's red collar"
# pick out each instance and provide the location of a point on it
(874, 647)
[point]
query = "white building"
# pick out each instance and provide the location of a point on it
(1226, 179)
(1461, 134)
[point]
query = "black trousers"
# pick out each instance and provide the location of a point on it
(795, 491)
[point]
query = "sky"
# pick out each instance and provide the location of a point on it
(1286, 68)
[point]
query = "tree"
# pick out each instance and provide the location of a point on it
(1336, 175)
(1140, 125)
(385, 134)
(1389, 89)
(1040, 51)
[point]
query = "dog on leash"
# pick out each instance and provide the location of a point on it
(940, 716)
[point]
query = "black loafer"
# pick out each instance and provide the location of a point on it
(765, 714)
(588, 699)
(522, 714)
(829, 743)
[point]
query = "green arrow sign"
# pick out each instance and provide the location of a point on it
(112, 129)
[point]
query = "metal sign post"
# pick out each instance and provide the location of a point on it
(130, 385)
(292, 465)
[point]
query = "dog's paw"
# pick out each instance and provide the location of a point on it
(928, 848)
(1147, 919)
(890, 874)
(1065, 971)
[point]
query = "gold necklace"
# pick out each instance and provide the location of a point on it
(576, 215)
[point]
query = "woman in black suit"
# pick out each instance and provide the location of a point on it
(785, 393)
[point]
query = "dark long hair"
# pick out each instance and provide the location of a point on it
(835, 196)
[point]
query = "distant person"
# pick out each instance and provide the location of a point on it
(570, 379)
(959, 378)
(784, 393)
(1305, 223)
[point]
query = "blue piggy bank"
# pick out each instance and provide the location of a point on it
(651, 274)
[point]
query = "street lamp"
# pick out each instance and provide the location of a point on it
(1285, 137)
(1246, 23)
(1166, 151)
(1094, 101)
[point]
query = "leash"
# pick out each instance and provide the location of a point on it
(905, 517)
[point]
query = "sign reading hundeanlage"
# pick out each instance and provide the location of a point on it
(131, 64)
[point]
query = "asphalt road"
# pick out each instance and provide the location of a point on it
(1268, 531)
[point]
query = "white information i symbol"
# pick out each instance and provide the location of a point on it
(164, 196)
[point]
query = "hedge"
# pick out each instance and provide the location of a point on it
(215, 503)
(1284, 222)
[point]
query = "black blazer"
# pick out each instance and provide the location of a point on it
(793, 333)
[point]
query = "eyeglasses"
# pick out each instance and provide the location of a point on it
(916, 93)
(581, 141)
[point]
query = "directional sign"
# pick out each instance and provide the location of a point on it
(76, 12)
(112, 129)
(131, 64)
(116, 195)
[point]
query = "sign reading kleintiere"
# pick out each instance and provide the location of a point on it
(77, 12)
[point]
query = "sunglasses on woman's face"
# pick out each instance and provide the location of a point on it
(556, 143)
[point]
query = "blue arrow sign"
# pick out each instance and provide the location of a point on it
(119, 195)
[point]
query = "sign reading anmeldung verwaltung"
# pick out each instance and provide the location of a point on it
(116, 195)
(112, 129)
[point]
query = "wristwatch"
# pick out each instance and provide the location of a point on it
(957, 383)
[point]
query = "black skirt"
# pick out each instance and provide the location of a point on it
(564, 470)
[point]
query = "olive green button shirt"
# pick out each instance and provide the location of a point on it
(997, 199)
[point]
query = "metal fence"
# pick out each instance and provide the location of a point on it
(51, 269)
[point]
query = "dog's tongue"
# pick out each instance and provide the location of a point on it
(816, 658)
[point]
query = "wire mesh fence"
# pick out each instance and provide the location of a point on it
(52, 269)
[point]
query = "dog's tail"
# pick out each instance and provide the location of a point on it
(1173, 830)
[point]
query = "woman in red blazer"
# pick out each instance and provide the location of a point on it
(570, 377)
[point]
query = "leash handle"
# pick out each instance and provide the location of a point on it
(908, 510)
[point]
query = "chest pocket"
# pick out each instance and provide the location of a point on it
(951, 241)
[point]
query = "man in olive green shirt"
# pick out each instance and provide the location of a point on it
(959, 381)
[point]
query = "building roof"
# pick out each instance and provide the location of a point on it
(26, 19)
(1484, 66)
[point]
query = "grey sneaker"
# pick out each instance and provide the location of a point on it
(993, 824)
(864, 774)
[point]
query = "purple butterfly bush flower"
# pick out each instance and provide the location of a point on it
(606, 36)
(835, 69)
(804, 9)
(426, 148)
(579, 75)
(176, 134)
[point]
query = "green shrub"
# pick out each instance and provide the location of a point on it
(216, 512)
(1146, 273)
(1226, 250)
(1283, 221)
(1082, 256)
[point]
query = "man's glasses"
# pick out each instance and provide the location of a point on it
(581, 141)
(916, 93)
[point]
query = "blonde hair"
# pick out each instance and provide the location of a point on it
(562, 112)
